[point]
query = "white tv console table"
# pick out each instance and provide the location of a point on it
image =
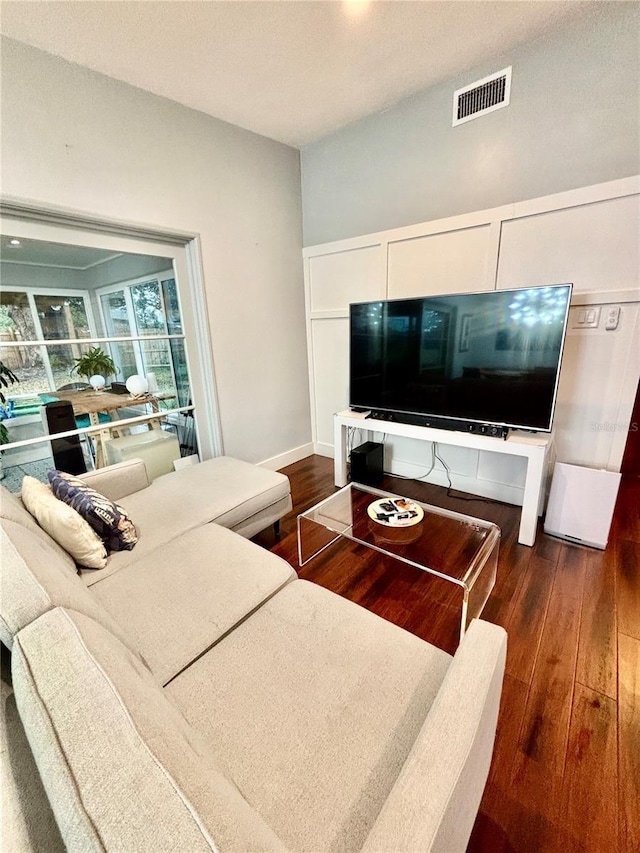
(533, 448)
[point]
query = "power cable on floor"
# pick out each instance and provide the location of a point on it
(450, 488)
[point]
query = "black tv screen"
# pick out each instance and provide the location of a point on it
(490, 358)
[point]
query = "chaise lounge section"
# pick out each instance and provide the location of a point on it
(199, 696)
(187, 581)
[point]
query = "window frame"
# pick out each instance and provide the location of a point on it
(40, 341)
(126, 287)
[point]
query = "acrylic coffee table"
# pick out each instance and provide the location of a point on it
(454, 547)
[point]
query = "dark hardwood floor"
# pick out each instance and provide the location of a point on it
(566, 768)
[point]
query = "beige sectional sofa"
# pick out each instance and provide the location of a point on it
(195, 695)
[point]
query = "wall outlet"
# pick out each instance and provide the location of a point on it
(612, 318)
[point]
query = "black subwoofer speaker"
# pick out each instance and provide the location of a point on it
(367, 463)
(67, 452)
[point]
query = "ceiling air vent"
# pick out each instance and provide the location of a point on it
(484, 96)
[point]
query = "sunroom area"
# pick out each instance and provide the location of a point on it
(60, 306)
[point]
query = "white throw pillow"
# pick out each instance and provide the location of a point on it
(63, 524)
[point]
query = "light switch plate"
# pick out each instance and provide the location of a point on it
(587, 317)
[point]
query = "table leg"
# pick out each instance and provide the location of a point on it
(155, 408)
(94, 420)
(531, 503)
(339, 453)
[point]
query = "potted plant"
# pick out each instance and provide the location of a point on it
(94, 363)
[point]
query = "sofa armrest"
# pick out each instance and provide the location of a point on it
(118, 481)
(434, 801)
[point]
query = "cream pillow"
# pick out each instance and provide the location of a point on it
(63, 524)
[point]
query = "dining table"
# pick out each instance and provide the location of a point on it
(92, 402)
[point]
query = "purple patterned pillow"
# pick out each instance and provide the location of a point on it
(109, 520)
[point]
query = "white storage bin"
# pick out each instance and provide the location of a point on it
(157, 448)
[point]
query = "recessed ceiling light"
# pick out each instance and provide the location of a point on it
(14, 242)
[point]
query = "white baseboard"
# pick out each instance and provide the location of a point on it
(323, 449)
(288, 458)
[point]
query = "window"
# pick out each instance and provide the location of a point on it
(43, 315)
(149, 311)
(44, 332)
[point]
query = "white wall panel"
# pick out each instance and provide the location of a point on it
(595, 246)
(503, 469)
(330, 353)
(592, 412)
(461, 461)
(356, 275)
(450, 262)
(495, 476)
(593, 243)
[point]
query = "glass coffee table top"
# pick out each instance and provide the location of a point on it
(447, 544)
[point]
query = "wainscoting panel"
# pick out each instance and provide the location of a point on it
(587, 236)
(330, 344)
(498, 468)
(461, 461)
(355, 275)
(594, 246)
(449, 262)
(594, 404)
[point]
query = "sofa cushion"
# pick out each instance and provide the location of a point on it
(36, 579)
(107, 518)
(12, 508)
(22, 598)
(63, 524)
(435, 801)
(28, 823)
(223, 490)
(176, 603)
(121, 767)
(361, 689)
(263, 518)
(117, 481)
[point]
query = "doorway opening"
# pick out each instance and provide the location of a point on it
(69, 293)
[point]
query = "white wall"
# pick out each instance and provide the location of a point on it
(82, 141)
(26, 275)
(122, 268)
(588, 237)
(402, 204)
(573, 121)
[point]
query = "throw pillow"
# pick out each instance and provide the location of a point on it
(109, 520)
(63, 524)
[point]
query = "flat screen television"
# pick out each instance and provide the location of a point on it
(468, 361)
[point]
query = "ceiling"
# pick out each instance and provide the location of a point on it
(39, 253)
(292, 70)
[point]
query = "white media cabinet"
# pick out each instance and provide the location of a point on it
(533, 448)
